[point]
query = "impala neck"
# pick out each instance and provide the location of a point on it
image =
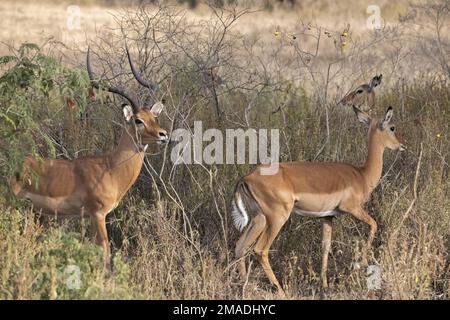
(126, 161)
(127, 147)
(374, 164)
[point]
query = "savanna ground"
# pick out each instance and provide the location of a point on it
(283, 66)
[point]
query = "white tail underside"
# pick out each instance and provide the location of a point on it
(238, 213)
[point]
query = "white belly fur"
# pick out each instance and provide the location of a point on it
(70, 206)
(313, 214)
(60, 205)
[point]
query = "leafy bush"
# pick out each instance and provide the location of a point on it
(54, 263)
(34, 94)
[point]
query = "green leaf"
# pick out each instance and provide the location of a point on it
(7, 59)
(27, 46)
(8, 120)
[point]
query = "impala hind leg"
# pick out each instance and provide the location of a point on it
(262, 249)
(101, 237)
(327, 226)
(249, 236)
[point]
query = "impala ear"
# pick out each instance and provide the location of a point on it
(375, 81)
(127, 112)
(387, 117)
(157, 108)
(362, 116)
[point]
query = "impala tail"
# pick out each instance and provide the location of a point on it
(238, 212)
(15, 185)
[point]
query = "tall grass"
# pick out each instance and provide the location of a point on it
(171, 236)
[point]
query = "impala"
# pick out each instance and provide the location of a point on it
(363, 97)
(94, 185)
(321, 190)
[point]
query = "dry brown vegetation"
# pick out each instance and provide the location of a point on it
(172, 236)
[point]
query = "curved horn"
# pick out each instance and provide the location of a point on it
(136, 74)
(111, 89)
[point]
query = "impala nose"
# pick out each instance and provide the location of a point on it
(341, 103)
(163, 137)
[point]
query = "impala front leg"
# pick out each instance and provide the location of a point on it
(327, 226)
(101, 238)
(362, 215)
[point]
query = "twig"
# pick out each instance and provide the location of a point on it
(246, 279)
(405, 216)
(413, 201)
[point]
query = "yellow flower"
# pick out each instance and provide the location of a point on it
(344, 43)
(438, 136)
(276, 33)
(344, 34)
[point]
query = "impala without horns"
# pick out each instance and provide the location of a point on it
(94, 185)
(363, 97)
(321, 190)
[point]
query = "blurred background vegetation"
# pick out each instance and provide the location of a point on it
(268, 65)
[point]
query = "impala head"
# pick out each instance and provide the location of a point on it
(145, 123)
(364, 95)
(141, 117)
(384, 130)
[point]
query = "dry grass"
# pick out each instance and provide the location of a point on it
(171, 235)
(36, 22)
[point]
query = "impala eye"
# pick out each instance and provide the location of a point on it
(392, 128)
(138, 122)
